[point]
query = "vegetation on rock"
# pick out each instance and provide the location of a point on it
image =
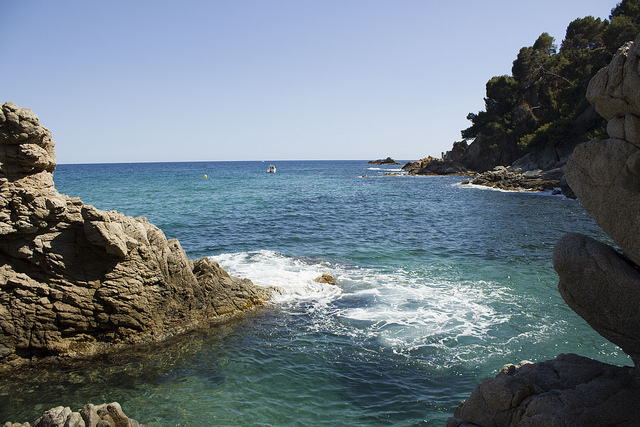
(541, 108)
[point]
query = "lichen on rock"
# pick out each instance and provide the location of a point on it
(75, 279)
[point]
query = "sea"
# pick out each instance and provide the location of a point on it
(438, 285)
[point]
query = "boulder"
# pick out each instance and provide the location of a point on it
(75, 279)
(325, 278)
(106, 415)
(568, 390)
(603, 287)
(613, 91)
(605, 176)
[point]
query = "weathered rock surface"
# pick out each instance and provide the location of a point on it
(387, 161)
(432, 166)
(605, 175)
(508, 178)
(601, 286)
(107, 415)
(569, 390)
(75, 279)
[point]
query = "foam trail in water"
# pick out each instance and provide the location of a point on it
(293, 276)
(405, 311)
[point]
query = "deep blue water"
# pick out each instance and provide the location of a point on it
(440, 285)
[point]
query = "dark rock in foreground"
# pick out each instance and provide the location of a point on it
(75, 280)
(107, 415)
(387, 161)
(569, 390)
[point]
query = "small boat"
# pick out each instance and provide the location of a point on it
(272, 169)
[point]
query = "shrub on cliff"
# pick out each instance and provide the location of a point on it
(542, 104)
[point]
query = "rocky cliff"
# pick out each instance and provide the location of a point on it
(74, 279)
(599, 283)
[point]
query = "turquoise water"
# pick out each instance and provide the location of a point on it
(439, 286)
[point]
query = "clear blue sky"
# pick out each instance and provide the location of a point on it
(189, 80)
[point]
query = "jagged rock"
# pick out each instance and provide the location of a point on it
(569, 390)
(106, 415)
(605, 175)
(508, 178)
(387, 161)
(432, 166)
(601, 286)
(75, 279)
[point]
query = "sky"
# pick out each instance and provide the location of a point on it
(211, 80)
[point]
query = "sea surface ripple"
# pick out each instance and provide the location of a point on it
(438, 285)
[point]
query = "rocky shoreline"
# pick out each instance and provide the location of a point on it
(511, 179)
(508, 178)
(76, 280)
(106, 415)
(599, 283)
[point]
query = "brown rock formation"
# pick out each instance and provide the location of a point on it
(107, 415)
(603, 287)
(75, 279)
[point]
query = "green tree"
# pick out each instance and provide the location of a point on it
(543, 102)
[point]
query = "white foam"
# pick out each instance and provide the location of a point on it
(386, 169)
(523, 191)
(294, 277)
(403, 310)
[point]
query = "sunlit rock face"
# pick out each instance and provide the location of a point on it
(75, 279)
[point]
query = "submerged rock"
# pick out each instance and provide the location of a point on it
(75, 279)
(603, 287)
(107, 415)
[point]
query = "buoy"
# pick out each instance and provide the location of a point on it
(205, 175)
